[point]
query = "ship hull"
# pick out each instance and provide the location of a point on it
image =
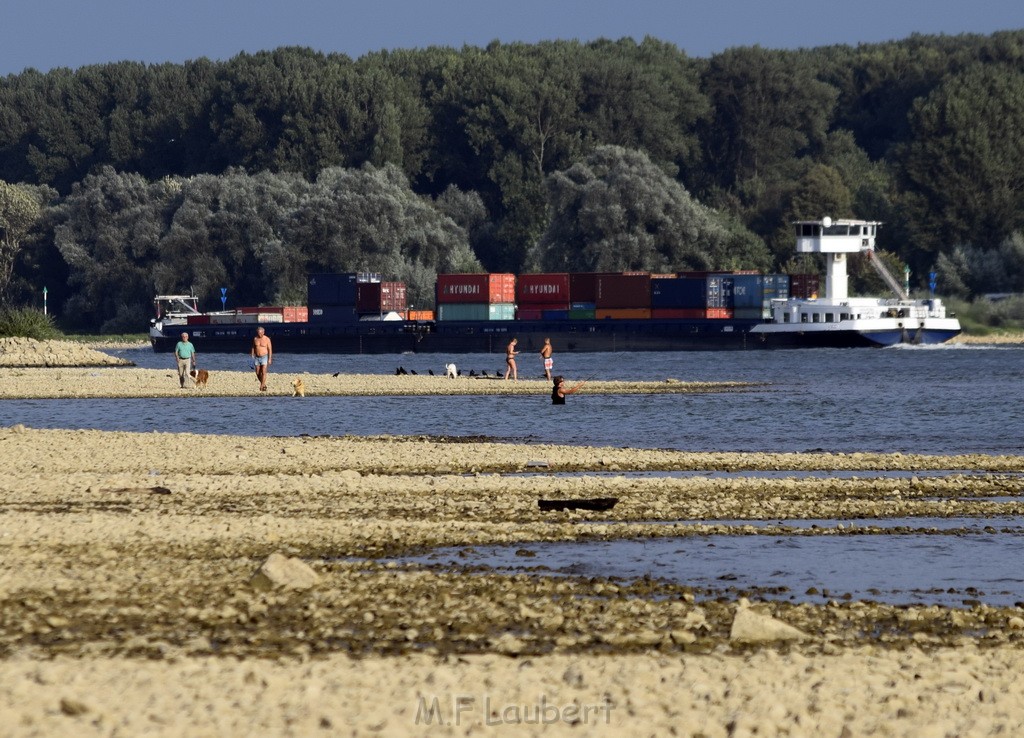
(469, 337)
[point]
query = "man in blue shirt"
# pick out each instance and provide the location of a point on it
(185, 353)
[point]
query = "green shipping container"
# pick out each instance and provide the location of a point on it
(581, 315)
(476, 311)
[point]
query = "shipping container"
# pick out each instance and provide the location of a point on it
(622, 313)
(380, 297)
(230, 316)
(583, 287)
(476, 288)
(776, 286)
(268, 317)
(296, 314)
(198, 320)
(547, 289)
(627, 290)
(582, 305)
(529, 314)
(678, 313)
(748, 290)
(752, 313)
(582, 314)
(717, 313)
(333, 314)
(476, 311)
(804, 286)
(332, 289)
(421, 315)
(555, 314)
(719, 291)
(683, 292)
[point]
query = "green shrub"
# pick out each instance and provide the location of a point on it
(27, 323)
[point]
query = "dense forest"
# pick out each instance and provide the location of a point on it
(122, 180)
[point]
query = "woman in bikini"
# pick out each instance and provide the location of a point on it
(510, 360)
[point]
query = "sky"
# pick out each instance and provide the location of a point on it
(45, 34)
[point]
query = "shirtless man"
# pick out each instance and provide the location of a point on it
(510, 360)
(262, 353)
(545, 354)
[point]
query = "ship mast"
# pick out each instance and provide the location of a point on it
(834, 239)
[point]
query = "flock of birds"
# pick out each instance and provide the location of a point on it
(403, 371)
(483, 372)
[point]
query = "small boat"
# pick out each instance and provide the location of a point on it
(835, 320)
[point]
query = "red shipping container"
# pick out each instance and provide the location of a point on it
(421, 315)
(678, 313)
(529, 314)
(380, 297)
(631, 290)
(476, 288)
(546, 306)
(716, 313)
(198, 320)
(622, 313)
(804, 286)
(296, 314)
(583, 287)
(546, 289)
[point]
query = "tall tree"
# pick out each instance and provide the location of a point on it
(616, 211)
(21, 208)
(964, 170)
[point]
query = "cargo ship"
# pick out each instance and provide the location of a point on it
(586, 312)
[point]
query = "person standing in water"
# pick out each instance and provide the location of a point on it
(510, 360)
(545, 354)
(559, 391)
(262, 353)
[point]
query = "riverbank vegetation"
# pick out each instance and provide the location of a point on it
(123, 180)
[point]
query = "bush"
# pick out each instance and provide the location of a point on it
(983, 316)
(27, 323)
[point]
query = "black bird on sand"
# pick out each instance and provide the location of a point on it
(483, 372)
(335, 374)
(430, 371)
(472, 373)
(413, 372)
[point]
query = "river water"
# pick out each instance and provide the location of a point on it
(931, 400)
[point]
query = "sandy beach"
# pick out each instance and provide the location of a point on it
(182, 584)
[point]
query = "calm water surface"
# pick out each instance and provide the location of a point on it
(925, 400)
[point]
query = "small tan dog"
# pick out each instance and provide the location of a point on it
(298, 388)
(200, 377)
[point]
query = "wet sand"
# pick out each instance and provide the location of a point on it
(128, 604)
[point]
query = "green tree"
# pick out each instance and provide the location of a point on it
(964, 170)
(21, 207)
(617, 211)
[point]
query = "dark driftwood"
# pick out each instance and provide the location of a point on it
(593, 503)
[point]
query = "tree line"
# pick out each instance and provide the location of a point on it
(123, 179)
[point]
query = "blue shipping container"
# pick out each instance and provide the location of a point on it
(555, 314)
(679, 292)
(333, 314)
(332, 289)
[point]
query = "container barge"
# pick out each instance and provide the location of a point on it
(593, 312)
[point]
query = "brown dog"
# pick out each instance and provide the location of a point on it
(200, 377)
(298, 388)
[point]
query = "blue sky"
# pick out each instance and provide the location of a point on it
(44, 34)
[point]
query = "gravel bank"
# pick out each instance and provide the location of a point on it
(128, 605)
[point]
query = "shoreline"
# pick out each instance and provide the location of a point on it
(129, 602)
